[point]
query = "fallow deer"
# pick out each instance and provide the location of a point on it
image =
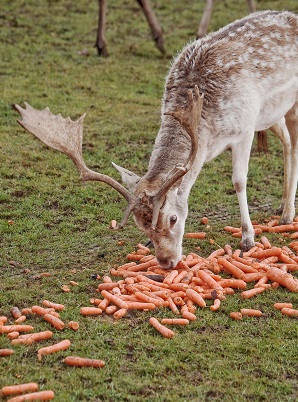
(220, 90)
(155, 27)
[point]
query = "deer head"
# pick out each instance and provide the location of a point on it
(156, 210)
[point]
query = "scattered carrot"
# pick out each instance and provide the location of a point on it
(175, 321)
(34, 396)
(21, 319)
(28, 339)
(19, 389)
(291, 312)
(283, 278)
(119, 313)
(73, 325)
(90, 311)
(13, 335)
(247, 294)
(204, 220)
(166, 332)
(6, 352)
(83, 362)
(15, 312)
(208, 280)
(57, 347)
(216, 305)
(197, 235)
(236, 315)
(250, 312)
(114, 299)
(4, 329)
(195, 297)
(55, 306)
(54, 321)
(279, 306)
(3, 319)
(282, 228)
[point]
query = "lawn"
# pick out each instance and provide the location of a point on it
(55, 229)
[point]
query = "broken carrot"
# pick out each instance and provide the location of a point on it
(175, 321)
(55, 306)
(236, 315)
(166, 332)
(291, 312)
(73, 325)
(54, 321)
(83, 362)
(34, 396)
(19, 389)
(251, 312)
(120, 313)
(57, 347)
(6, 352)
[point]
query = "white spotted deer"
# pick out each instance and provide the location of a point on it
(220, 90)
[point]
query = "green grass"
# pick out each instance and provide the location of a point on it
(52, 223)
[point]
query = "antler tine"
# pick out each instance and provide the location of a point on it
(189, 117)
(66, 136)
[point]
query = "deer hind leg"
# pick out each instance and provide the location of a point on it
(100, 43)
(240, 159)
(291, 118)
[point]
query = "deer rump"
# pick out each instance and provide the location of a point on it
(220, 90)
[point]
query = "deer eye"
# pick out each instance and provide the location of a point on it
(173, 219)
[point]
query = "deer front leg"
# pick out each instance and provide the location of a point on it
(240, 159)
(154, 25)
(100, 43)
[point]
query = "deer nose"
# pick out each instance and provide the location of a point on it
(166, 263)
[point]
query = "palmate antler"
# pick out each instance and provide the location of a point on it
(189, 117)
(66, 136)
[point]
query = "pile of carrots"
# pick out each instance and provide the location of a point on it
(195, 283)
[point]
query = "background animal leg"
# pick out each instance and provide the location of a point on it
(100, 43)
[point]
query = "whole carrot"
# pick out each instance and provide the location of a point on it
(90, 311)
(54, 321)
(57, 347)
(170, 277)
(195, 297)
(231, 268)
(291, 312)
(208, 280)
(6, 352)
(166, 332)
(250, 312)
(34, 396)
(283, 278)
(3, 319)
(197, 235)
(55, 306)
(279, 306)
(19, 389)
(175, 321)
(119, 313)
(247, 294)
(114, 299)
(83, 362)
(187, 314)
(282, 228)
(4, 329)
(28, 339)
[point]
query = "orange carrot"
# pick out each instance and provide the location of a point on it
(21, 319)
(262, 281)
(233, 283)
(187, 314)
(55, 306)
(231, 229)
(283, 278)
(28, 339)
(291, 312)
(107, 286)
(172, 305)
(215, 306)
(90, 311)
(73, 325)
(57, 347)
(54, 321)
(19, 389)
(266, 243)
(111, 309)
(166, 332)
(253, 277)
(250, 312)
(175, 321)
(197, 235)
(141, 296)
(114, 299)
(15, 312)
(231, 268)
(236, 315)
(3, 319)
(83, 362)
(119, 313)
(208, 280)
(195, 297)
(4, 329)
(13, 335)
(39, 310)
(261, 254)
(170, 277)
(204, 220)
(279, 306)
(217, 253)
(140, 306)
(34, 396)
(6, 352)
(247, 294)
(282, 228)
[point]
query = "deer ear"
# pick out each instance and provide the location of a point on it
(129, 178)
